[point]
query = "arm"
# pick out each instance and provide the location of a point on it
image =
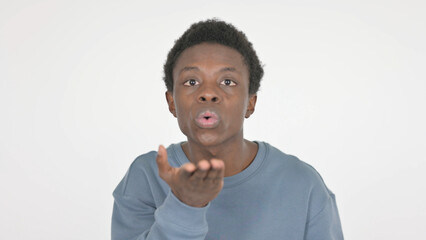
(134, 219)
(182, 217)
(325, 225)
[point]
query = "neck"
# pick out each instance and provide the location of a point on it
(237, 154)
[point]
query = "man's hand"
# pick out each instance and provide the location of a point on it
(194, 185)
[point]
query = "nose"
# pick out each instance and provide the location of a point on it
(207, 95)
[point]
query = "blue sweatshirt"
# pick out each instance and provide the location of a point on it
(276, 197)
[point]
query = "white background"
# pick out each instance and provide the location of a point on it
(81, 95)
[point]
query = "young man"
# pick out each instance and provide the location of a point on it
(218, 185)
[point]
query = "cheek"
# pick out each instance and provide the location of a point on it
(238, 112)
(183, 115)
(184, 125)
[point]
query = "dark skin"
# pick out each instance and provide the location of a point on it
(214, 78)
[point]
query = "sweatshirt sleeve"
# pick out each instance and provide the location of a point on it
(325, 225)
(132, 219)
(136, 216)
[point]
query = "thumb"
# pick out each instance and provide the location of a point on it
(164, 168)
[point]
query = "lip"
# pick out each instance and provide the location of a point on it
(207, 119)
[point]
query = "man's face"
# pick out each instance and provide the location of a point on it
(210, 95)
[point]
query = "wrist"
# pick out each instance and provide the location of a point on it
(188, 201)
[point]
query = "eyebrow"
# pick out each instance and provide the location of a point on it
(228, 69)
(191, 68)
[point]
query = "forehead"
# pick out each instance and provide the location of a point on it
(208, 56)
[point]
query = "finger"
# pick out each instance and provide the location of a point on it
(217, 164)
(164, 167)
(187, 170)
(212, 175)
(217, 170)
(221, 173)
(203, 167)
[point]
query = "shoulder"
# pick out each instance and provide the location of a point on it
(294, 169)
(139, 172)
(299, 177)
(142, 174)
(146, 163)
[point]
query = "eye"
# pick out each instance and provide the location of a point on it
(228, 82)
(191, 82)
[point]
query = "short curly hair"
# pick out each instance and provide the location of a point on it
(215, 31)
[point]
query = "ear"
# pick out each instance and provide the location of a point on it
(251, 105)
(171, 103)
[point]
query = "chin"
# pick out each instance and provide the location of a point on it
(208, 139)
